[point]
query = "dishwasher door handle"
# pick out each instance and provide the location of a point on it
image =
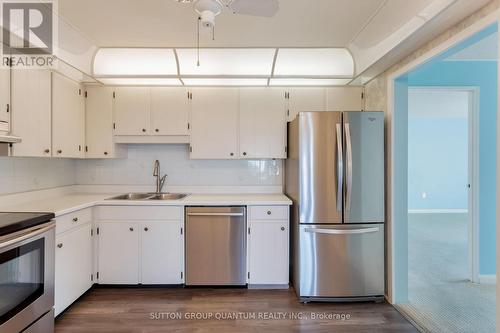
(216, 214)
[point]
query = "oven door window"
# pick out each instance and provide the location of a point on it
(21, 278)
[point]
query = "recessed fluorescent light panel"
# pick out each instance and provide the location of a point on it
(215, 62)
(134, 61)
(224, 82)
(141, 81)
(309, 82)
(314, 62)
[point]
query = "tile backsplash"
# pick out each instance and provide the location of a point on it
(28, 174)
(137, 169)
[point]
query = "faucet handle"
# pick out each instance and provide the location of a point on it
(162, 182)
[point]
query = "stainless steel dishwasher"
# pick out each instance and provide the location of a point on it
(215, 246)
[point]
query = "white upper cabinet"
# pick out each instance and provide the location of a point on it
(345, 99)
(305, 99)
(99, 124)
(31, 112)
(4, 96)
(68, 118)
(169, 111)
(214, 120)
(262, 123)
(132, 111)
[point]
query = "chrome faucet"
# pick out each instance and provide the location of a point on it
(160, 181)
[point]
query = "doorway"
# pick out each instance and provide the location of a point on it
(462, 263)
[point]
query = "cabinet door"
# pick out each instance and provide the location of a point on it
(214, 120)
(118, 253)
(73, 266)
(131, 111)
(5, 95)
(169, 111)
(162, 253)
(262, 123)
(99, 122)
(31, 112)
(305, 99)
(68, 118)
(344, 99)
(268, 252)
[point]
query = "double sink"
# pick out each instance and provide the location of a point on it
(149, 196)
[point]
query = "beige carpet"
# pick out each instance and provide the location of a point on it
(441, 298)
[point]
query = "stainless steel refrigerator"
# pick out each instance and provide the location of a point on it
(335, 178)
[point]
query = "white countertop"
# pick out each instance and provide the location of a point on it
(70, 202)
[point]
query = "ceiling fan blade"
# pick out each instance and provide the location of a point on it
(265, 8)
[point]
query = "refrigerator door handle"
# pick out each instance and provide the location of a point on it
(348, 166)
(342, 231)
(340, 168)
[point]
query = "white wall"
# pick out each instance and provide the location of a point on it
(137, 169)
(28, 174)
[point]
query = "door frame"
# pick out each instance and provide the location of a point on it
(397, 138)
(473, 171)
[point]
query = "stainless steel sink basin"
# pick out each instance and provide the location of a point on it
(149, 196)
(133, 196)
(168, 196)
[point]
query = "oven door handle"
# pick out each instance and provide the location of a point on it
(28, 233)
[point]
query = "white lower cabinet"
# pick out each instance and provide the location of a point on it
(118, 253)
(268, 246)
(141, 245)
(73, 269)
(162, 253)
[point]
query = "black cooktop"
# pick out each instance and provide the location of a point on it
(12, 222)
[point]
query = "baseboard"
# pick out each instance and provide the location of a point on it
(438, 211)
(487, 279)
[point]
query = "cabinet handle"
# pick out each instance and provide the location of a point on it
(75, 219)
(131, 229)
(106, 153)
(59, 151)
(46, 151)
(232, 154)
(282, 228)
(269, 212)
(60, 245)
(144, 130)
(244, 153)
(157, 130)
(146, 229)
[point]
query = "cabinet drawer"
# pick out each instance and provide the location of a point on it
(72, 220)
(140, 213)
(269, 213)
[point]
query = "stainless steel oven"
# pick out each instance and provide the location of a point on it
(27, 280)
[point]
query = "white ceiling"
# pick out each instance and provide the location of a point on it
(153, 23)
(377, 32)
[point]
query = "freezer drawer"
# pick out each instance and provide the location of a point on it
(344, 261)
(215, 246)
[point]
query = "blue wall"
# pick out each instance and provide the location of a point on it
(437, 163)
(482, 74)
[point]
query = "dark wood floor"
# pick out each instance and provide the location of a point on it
(130, 310)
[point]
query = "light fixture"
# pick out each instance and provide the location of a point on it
(230, 61)
(314, 62)
(224, 82)
(134, 62)
(308, 82)
(141, 81)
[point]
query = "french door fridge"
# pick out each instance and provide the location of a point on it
(335, 178)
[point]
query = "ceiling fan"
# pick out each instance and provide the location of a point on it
(209, 9)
